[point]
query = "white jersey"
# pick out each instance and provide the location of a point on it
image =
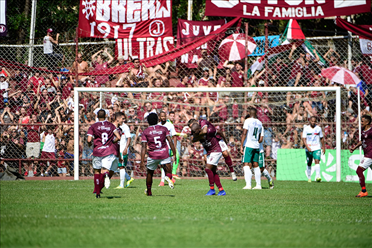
(48, 46)
(125, 134)
(3, 86)
(171, 129)
(255, 131)
(261, 147)
(49, 144)
(313, 136)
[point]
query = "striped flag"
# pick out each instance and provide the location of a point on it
(293, 32)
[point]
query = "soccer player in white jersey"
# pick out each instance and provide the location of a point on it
(163, 122)
(124, 150)
(254, 132)
(312, 137)
(261, 162)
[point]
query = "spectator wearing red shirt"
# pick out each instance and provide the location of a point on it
(33, 144)
(36, 82)
(100, 64)
(67, 87)
(203, 82)
(237, 75)
(184, 82)
(225, 80)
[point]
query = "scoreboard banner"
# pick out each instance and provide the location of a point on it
(297, 157)
(125, 18)
(286, 9)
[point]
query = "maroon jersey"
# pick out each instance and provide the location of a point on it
(156, 137)
(103, 134)
(210, 143)
(367, 143)
(33, 133)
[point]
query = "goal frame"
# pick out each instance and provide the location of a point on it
(77, 90)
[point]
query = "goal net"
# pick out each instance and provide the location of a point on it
(283, 111)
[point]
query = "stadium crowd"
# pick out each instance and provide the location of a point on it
(36, 109)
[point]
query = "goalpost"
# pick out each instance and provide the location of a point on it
(269, 96)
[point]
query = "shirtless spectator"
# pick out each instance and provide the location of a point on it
(100, 64)
(69, 153)
(137, 72)
(81, 65)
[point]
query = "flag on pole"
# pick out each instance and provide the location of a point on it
(270, 55)
(293, 32)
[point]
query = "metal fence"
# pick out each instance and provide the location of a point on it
(39, 101)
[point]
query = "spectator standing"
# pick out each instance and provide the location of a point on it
(4, 88)
(36, 82)
(100, 64)
(52, 58)
(48, 151)
(33, 144)
(81, 65)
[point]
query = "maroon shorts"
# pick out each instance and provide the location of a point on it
(48, 155)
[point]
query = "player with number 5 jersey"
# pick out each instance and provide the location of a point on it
(154, 142)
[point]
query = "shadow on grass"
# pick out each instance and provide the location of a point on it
(111, 197)
(165, 195)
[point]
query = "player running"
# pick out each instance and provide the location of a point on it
(124, 150)
(254, 132)
(312, 137)
(172, 132)
(222, 142)
(366, 144)
(102, 135)
(154, 142)
(205, 132)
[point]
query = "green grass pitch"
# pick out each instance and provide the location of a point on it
(294, 214)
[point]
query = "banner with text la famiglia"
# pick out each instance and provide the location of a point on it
(292, 165)
(286, 9)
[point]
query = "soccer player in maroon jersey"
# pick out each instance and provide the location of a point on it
(105, 154)
(366, 144)
(154, 142)
(224, 148)
(206, 134)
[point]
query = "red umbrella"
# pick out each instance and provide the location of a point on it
(340, 75)
(233, 47)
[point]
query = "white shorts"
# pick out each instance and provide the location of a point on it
(366, 162)
(62, 171)
(223, 145)
(213, 158)
(33, 149)
(152, 164)
(109, 162)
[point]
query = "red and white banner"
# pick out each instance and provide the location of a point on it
(143, 48)
(125, 18)
(286, 9)
(187, 31)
